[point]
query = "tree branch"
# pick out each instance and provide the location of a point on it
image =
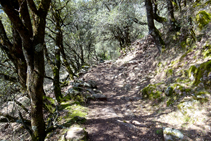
(26, 18)
(26, 126)
(15, 19)
(13, 119)
(22, 106)
(48, 77)
(138, 22)
(8, 78)
(32, 6)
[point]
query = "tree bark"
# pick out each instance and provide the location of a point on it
(32, 48)
(171, 18)
(15, 53)
(57, 88)
(152, 29)
(155, 14)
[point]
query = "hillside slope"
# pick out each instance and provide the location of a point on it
(142, 93)
(147, 92)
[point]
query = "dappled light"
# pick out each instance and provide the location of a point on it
(105, 70)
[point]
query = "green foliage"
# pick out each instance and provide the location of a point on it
(169, 102)
(115, 27)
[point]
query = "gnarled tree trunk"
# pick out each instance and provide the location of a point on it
(32, 40)
(153, 31)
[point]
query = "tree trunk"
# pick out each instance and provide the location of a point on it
(152, 29)
(15, 53)
(56, 69)
(35, 78)
(172, 21)
(67, 65)
(32, 40)
(155, 14)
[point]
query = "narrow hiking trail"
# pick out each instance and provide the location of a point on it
(123, 116)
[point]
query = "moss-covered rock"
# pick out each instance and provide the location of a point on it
(170, 134)
(201, 73)
(151, 92)
(181, 90)
(76, 113)
(202, 19)
(186, 106)
(202, 96)
(169, 72)
(206, 50)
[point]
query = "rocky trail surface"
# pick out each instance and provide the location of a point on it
(122, 116)
(127, 116)
(116, 107)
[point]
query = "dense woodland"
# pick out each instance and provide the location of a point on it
(42, 39)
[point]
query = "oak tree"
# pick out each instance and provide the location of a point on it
(28, 21)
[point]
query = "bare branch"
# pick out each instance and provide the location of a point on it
(138, 22)
(13, 119)
(22, 106)
(26, 18)
(15, 19)
(8, 78)
(26, 126)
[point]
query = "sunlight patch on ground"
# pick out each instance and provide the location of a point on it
(126, 59)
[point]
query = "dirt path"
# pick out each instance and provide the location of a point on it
(122, 117)
(125, 116)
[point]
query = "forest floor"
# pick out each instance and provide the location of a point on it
(125, 116)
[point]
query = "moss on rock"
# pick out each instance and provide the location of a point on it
(169, 72)
(201, 73)
(202, 96)
(206, 50)
(151, 92)
(202, 19)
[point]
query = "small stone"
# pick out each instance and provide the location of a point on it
(76, 133)
(172, 134)
(86, 84)
(137, 87)
(92, 84)
(129, 113)
(136, 68)
(101, 61)
(136, 122)
(100, 97)
(169, 91)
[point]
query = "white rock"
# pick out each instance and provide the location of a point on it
(75, 133)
